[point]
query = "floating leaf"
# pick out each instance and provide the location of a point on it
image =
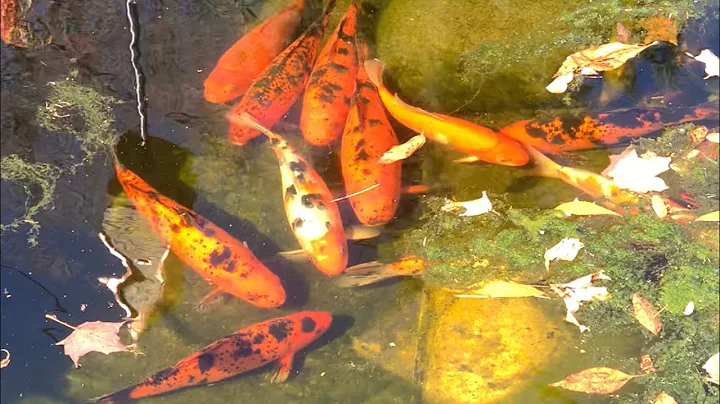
(566, 250)
(659, 206)
(472, 208)
(6, 360)
(709, 217)
(664, 398)
(689, 309)
(93, 336)
(599, 380)
(583, 208)
(712, 367)
(639, 174)
(495, 289)
(646, 313)
(712, 66)
(402, 151)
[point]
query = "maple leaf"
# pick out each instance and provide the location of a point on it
(402, 151)
(712, 367)
(566, 250)
(639, 174)
(92, 336)
(578, 291)
(664, 398)
(472, 208)
(646, 313)
(598, 380)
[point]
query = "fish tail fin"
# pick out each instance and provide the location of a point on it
(363, 49)
(245, 119)
(365, 274)
(374, 69)
(122, 396)
(543, 165)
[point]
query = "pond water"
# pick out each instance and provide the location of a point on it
(72, 92)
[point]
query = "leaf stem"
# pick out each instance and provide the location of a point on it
(54, 318)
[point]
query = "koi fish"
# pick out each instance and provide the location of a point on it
(373, 272)
(206, 248)
(475, 140)
(246, 349)
(327, 97)
(313, 217)
(567, 133)
(250, 55)
(281, 83)
(367, 136)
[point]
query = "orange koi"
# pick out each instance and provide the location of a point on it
(327, 97)
(373, 272)
(567, 133)
(367, 136)
(249, 348)
(250, 55)
(281, 83)
(475, 140)
(206, 248)
(313, 216)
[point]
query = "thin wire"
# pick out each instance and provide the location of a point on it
(131, 9)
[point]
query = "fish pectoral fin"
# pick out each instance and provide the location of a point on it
(282, 369)
(211, 298)
(467, 160)
(294, 255)
(365, 274)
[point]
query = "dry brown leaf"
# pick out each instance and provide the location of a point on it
(402, 151)
(92, 336)
(664, 398)
(495, 289)
(646, 364)
(6, 360)
(598, 380)
(583, 208)
(646, 314)
(709, 217)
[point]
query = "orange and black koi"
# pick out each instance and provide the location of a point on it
(247, 349)
(367, 136)
(567, 133)
(313, 216)
(281, 83)
(327, 97)
(477, 141)
(250, 55)
(206, 248)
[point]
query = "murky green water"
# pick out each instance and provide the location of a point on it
(404, 341)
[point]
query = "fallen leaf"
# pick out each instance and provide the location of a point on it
(578, 291)
(402, 151)
(664, 398)
(92, 336)
(713, 137)
(689, 309)
(712, 66)
(646, 364)
(646, 313)
(590, 61)
(712, 367)
(698, 133)
(6, 360)
(658, 206)
(709, 217)
(659, 28)
(638, 174)
(472, 208)
(583, 208)
(598, 380)
(495, 289)
(566, 250)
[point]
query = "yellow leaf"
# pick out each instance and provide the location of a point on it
(495, 289)
(583, 208)
(658, 205)
(646, 313)
(599, 380)
(664, 398)
(709, 217)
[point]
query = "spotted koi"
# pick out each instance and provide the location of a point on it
(567, 133)
(206, 248)
(313, 216)
(467, 137)
(251, 54)
(367, 136)
(281, 83)
(327, 97)
(276, 340)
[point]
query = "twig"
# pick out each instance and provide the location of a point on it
(54, 318)
(131, 10)
(356, 193)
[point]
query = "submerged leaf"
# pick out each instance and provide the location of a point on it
(93, 336)
(499, 288)
(646, 313)
(583, 208)
(578, 291)
(712, 66)
(709, 217)
(402, 151)
(598, 380)
(472, 208)
(664, 398)
(712, 367)
(566, 250)
(658, 206)
(639, 174)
